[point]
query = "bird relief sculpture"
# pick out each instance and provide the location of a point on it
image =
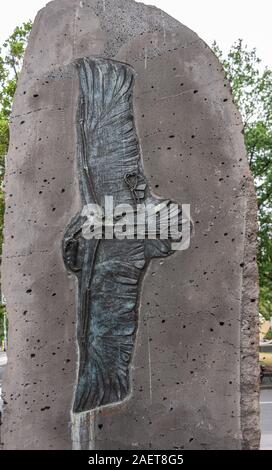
(110, 270)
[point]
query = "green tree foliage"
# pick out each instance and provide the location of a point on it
(11, 58)
(269, 334)
(252, 92)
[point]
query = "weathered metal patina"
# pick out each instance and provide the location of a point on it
(109, 272)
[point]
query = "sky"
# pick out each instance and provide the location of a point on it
(224, 22)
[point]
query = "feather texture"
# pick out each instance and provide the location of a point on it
(109, 272)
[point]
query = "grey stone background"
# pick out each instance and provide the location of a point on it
(194, 373)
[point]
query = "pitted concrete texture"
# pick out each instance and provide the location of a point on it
(194, 372)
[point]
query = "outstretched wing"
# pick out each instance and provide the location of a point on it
(111, 317)
(109, 153)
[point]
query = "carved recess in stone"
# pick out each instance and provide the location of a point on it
(109, 272)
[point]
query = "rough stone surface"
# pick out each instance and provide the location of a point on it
(194, 371)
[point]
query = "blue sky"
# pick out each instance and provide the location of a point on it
(210, 19)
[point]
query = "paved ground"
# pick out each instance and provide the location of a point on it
(266, 348)
(266, 419)
(3, 361)
(3, 358)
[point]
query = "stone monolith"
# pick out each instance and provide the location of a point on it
(127, 344)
